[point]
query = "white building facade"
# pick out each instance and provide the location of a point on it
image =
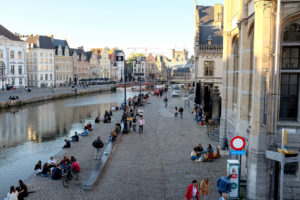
(139, 65)
(40, 61)
(105, 64)
(120, 64)
(13, 70)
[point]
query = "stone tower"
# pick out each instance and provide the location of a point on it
(218, 15)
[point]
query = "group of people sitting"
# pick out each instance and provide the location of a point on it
(17, 193)
(13, 97)
(114, 133)
(106, 118)
(199, 154)
(53, 169)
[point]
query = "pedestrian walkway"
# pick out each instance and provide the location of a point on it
(46, 188)
(152, 165)
(156, 164)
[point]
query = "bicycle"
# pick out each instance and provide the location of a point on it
(69, 174)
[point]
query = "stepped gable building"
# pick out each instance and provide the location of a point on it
(63, 63)
(94, 65)
(80, 65)
(151, 68)
(208, 61)
(40, 60)
(255, 105)
(13, 68)
(105, 63)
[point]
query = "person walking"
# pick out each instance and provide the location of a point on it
(224, 184)
(141, 124)
(204, 189)
(134, 124)
(166, 101)
(181, 112)
(97, 144)
(192, 192)
(175, 112)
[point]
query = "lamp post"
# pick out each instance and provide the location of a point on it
(125, 129)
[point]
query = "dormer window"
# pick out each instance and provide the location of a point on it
(209, 40)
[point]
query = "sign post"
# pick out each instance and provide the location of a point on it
(233, 169)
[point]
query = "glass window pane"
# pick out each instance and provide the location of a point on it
(284, 78)
(293, 78)
(293, 90)
(285, 63)
(294, 63)
(286, 52)
(284, 90)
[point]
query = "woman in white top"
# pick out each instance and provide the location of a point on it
(13, 194)
(51, 162)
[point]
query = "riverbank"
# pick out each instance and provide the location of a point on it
(151, 165)
(47, 95)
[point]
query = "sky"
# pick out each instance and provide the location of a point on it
(156, 25)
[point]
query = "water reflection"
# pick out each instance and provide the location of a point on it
(44, 122)
(36, 132)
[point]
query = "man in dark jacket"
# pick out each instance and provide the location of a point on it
(224, 184)
(97, 144)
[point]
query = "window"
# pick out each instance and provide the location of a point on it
(46, 77)
(46, 67)
(1, 54)
(12, 69)
(41, 77)
(20, 81)
(50, 60)
(46, 54)
(51, 77)
(235, 70)
(290, 58)
(41, 54)
(2, 68)
(41, 68)
(46, 60)
(13, 81)
(19, 55)
(289, 78)
(41, 60)
(289, 96)
(50, 54)
(12, 54)
(208, 68)
(20, 69)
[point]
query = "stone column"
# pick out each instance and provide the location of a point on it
(258, 182)
(227, 76)
(216, 107)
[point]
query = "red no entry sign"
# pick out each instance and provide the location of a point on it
(238, 143)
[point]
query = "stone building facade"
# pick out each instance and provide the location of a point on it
(94, 65)
(255, 105)
(161, 64)
(151, 68)
(81, 68)
(179, 55)
(13, 70)
(208, 51)
(139, 65)
(105, 64)
(40, 61)
(63, 63)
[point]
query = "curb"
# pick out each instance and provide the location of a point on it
(100, 167)
(21, 102)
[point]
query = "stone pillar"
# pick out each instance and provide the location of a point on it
(258, 183)
(227, 77)
(216, 105)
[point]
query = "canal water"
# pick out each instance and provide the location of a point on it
(37, 131)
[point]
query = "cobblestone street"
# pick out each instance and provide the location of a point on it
(152, 165)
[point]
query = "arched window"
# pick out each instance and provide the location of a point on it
(235, 69)
(289, 77)
(2, 68)
(12, 54)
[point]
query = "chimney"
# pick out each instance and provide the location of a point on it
(218, 15)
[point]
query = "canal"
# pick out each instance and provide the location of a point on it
(37, 131)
